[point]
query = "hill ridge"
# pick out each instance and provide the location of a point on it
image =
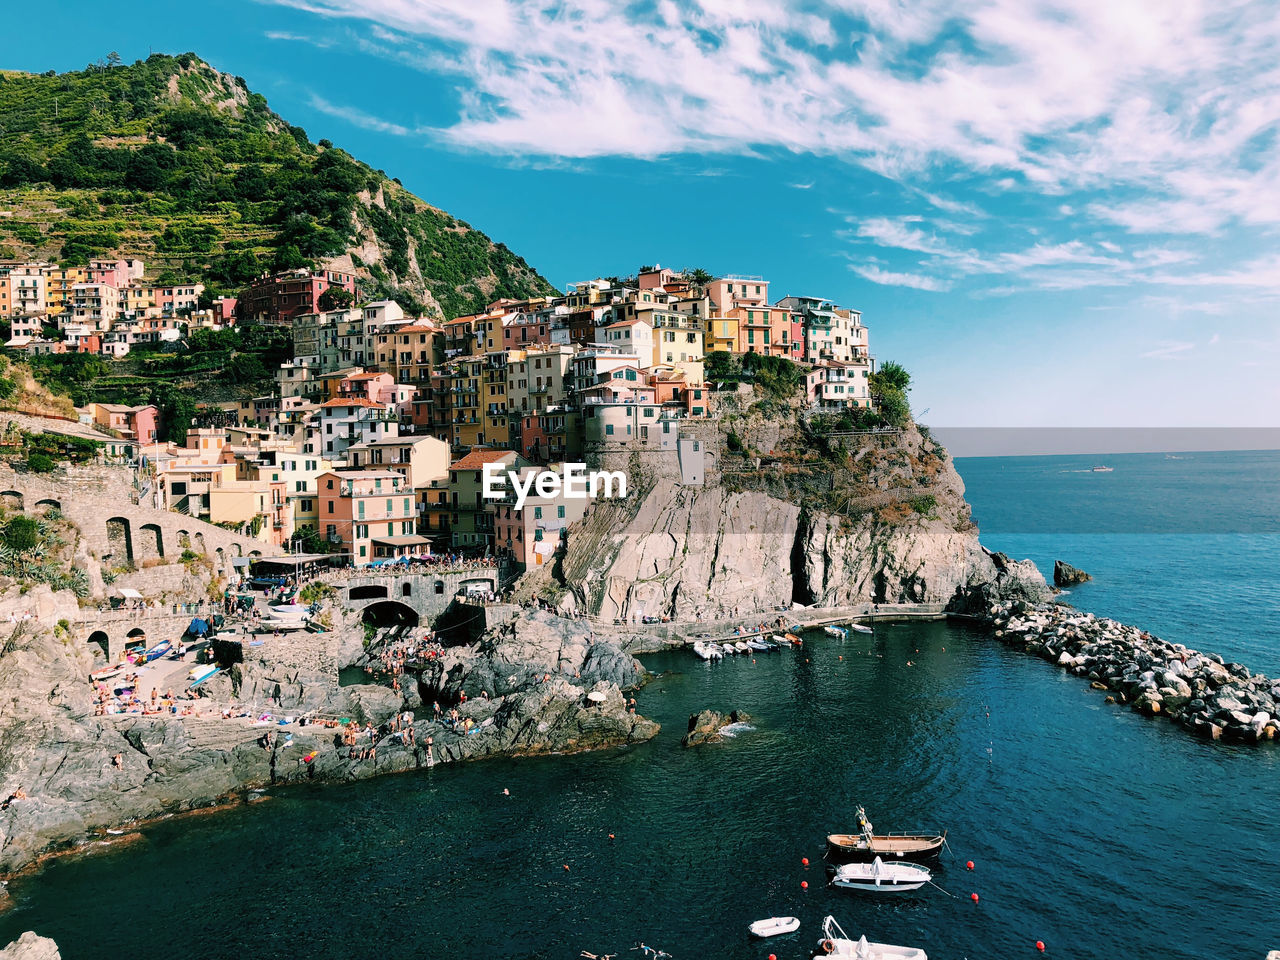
(171, 160)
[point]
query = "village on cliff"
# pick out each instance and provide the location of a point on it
(372, 446)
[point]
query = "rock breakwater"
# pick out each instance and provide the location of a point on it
(1199, 691)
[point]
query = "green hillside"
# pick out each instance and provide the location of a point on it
(170, 160)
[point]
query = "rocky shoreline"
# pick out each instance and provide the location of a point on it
(533, 684)
(1199, 691)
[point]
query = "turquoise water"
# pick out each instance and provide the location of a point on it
(1188, 548)
(1096, 830)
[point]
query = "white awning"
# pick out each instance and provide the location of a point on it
(129, 593)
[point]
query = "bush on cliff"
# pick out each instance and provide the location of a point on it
(21, 534)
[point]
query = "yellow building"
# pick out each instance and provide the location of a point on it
(58, 283)
(493, 399)
(721, 334)
(465, 374)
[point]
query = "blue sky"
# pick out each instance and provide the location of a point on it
(1054, 214)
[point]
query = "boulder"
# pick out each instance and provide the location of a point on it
(31, 947)
(1065, 575)
(706, 726)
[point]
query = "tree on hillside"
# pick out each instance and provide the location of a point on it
(113, 59)
(889, 386)
(894, 374)
(335, 298)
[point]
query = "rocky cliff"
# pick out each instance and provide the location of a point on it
(786, 515)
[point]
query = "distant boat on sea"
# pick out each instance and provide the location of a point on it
(1101, 469)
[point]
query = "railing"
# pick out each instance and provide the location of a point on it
(147, 611)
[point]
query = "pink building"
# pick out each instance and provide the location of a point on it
(132, 423)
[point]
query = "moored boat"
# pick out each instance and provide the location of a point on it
(834, 632)
(866, 845)
(774, 926)
(880, 877)
(742, 647)
(158, 651)
(756, 644)
(793, 638)
(836, 943)
(860, 628)
(707, 651)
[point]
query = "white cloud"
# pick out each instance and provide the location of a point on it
(1124, 120)
(889, 278)
(1168, 350)
(358, 118)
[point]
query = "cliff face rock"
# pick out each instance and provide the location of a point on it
(882, 520)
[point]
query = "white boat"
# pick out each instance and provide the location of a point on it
(778, 639)
(859, 628)
(287, 613)
(774, 926)
(707, 651)
(1102, 469)
(760, 645)
(201, 672)
(834, 632)
(742, 646)
(880, 877)
(836, 943)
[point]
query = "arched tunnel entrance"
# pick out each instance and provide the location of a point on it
(389, 613)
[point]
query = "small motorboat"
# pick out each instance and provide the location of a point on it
(287, 613)
(860, 628)
(836, 943)
(756, 644)
(793, 638)
(774, 926)
(880, 877)
(866, 845)
(106, 673)
(834, 632)
(742, 647)
(707, 651)
(1102, 469)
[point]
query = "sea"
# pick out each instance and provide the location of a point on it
(1090, 829)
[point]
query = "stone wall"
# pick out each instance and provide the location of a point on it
(116, 530)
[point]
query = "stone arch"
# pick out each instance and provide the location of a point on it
(220, 558)
(387, 613)
(150, 541)
(369, 591)
(11, 499)
(184, 539)
(137, 637)
(101, 639)
(199, 544)
(119, 540)
(237, 549)
(406, 589)
(47, 504)
(255, 553)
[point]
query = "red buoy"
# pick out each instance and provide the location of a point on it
(1040, 945)
(972, 896)
(611, 836)
(773, 956)
(969, 865)
(975, 896)
(805, 861)
(804, 884)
